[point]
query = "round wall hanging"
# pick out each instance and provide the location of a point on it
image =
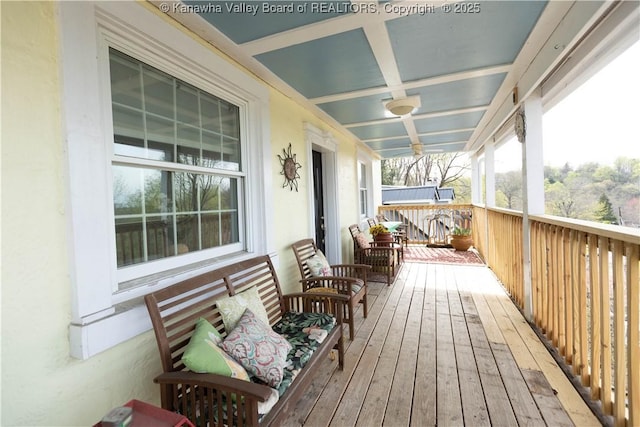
(289, 169)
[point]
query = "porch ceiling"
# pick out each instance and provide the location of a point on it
(345, 59)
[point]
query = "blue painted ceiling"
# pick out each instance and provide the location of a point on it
(348, 58)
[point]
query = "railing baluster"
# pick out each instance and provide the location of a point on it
(605, 325)
(633, 324)
(618, 335)
(594, 290)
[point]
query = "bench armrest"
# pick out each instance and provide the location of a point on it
(219, 383)
(317, 302)
(206, 398)
(343, 285)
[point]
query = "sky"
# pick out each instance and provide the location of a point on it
(598, 122)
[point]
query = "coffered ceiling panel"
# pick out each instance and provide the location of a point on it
(346, 59)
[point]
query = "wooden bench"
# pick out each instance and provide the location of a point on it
(206, 398)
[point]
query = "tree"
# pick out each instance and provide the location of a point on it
(509, 190)
(604, 212)
(441, 169)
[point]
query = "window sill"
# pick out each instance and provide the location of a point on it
(102, 331)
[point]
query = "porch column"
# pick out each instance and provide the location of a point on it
(533, 188)
(490, 175)
(476, 180)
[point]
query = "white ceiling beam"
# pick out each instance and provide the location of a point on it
(445, 78)
(442, 132)
(329, 27)
(419, 116)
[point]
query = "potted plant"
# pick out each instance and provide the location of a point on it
(461, 239)
(380, 233)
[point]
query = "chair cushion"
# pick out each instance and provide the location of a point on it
(362, 241)
(305, 332)
(232, 308)
(261, 351)
(203, 355)
(318, 265)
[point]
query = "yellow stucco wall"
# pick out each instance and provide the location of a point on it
(41, 383)
(292, 220)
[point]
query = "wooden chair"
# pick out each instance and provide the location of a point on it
(399, 235)
(382, 256)
(346, 279)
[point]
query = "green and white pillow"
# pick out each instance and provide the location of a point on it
(232, 308)
(203, 354)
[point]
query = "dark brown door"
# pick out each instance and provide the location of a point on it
(318, 198)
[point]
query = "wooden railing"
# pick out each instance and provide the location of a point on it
(585, 291)
(432, 223)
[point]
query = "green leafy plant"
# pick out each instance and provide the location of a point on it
(459, 231)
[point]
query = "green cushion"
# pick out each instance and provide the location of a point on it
(232, 308)
(203, 355)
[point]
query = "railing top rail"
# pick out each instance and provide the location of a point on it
(617, 232)
(504, 211)
(426, 206)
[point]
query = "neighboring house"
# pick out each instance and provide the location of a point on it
(417, 195)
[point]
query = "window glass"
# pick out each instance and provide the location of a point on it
(508, 174)
(167, 211)
(362, 180)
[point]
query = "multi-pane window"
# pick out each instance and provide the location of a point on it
(177, 171)
(362, 179)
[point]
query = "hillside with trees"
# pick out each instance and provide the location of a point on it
(591, 191)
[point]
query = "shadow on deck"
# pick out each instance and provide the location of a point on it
(444, 345)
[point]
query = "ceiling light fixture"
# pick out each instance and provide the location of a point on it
(403, 106)
(417, 150)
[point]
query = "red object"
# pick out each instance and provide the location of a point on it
(147, 415)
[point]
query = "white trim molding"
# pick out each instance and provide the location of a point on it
(101, 316)
(325, 143)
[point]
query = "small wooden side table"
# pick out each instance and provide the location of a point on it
(147, 415)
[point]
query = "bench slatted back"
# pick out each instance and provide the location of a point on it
(258, 272)
(175, 309)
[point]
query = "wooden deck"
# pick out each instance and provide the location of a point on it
(443, 346)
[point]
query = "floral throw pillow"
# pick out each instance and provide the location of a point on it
(254, 345)
(363, 242)
(231, 308)
(318, 265)
(203, 355)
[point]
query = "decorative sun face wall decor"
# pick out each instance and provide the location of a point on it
(289, 169)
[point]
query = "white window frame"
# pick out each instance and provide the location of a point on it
(102, 318)
(365, 159)
(363, 169)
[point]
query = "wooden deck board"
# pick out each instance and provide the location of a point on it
(443, 346)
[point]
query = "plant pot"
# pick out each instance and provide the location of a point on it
(383, 237)
(461, 243)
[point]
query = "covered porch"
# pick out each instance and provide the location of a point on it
(444, 345)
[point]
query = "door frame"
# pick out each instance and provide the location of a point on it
(327, 145)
